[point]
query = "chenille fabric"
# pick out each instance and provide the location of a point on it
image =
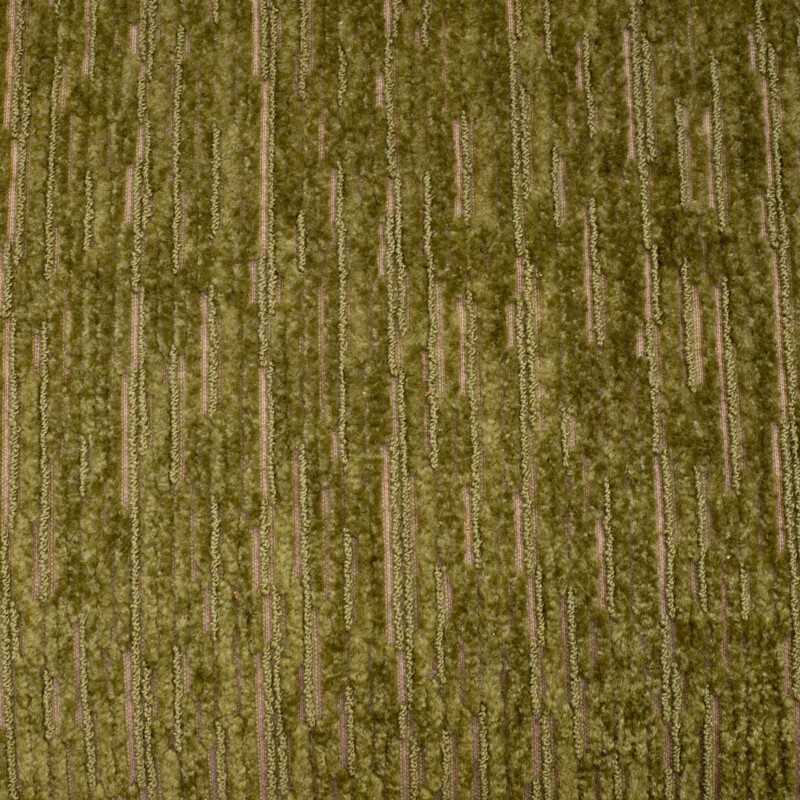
(399, 399)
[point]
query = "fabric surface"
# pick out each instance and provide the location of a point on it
(399, 399)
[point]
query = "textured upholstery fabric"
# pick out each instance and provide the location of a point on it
(399, 399)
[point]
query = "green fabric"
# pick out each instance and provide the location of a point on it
(399, 399)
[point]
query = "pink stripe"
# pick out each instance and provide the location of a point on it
(629, 93)
(510, 16)
(716, 747)
(570, 124)
(263, 429)
(648, 308)
(448, 596)
(660, 527)
(36, 560)
(518, 532)
(440, 323)
(325, 551)
(722, 404)
(12, 26)
(468, 526)
(779, 333)
(256, 558)
(6, 455)
(182, 395)
(426, 407)
(266, 617)
(128, 194)
(393, 400)
(767, 131)
(262, 749)
(598, 529)
(12, 190)
(296, 512)
(778, 472)
(401, 678)
(317, 664)
(564, 647)
(76, 651)
(129, 714)
(387, 546)
(457, 140)
(206, 609)
(56, 705)
(587, 278)
(381, 250)
(87, 20)
(404, 768)
(332, 200)
(6, 421)
(255, 38)
(264, 176)
(797, 749)
(193, 543)
(322, 349)
(212, 771)
(688, 143)
(462, 386)
(204, 352)
(125, 440)
(253, 281)
(476, 787)
(537, 747)
(342, 732)
(135, 331)
(698, 333)
(709, 162)
(531, 608)
(724, 622)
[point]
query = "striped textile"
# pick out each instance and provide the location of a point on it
(399, 399)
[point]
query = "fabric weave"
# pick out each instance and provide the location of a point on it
(399, 399)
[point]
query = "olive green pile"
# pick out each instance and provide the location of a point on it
(399, 399)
